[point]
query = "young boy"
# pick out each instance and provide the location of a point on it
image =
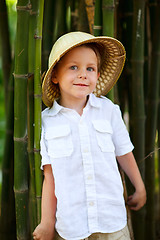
(82, 136)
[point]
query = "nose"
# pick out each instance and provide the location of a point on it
(82, 74)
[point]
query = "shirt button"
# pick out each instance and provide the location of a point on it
(89, 177)
(81, 121)
(91, 204)
(85, 150)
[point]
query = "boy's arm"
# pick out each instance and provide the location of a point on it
(129, 166)
(45, 230)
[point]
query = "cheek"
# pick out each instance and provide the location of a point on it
(94, 81)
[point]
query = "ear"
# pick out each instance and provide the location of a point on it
(54, 77)
(98, 75)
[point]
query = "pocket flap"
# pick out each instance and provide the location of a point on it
(58, 131)
(102, 126)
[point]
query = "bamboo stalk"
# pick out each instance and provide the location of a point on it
(48, 26)
(90, 7)
(30, 117)
(138, 114)
(158, 128)
(74, 14)
(7, 218)
(151, 126)
(124, 28)
(20, 121)
(38, 104)
(124, 33)
(7, 208)
(82, 17)
(97, 28)
(61, 21)
(6, 49)
(108, 10)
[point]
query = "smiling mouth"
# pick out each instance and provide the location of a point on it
(81, 85)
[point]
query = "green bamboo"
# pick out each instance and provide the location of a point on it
(74, 14)
(138, 114)
(30, 117)
(124, 33)
(7, 208)
(7, 218)
(48, 26)
(97, 28)
(6, 49)
(61, 25)
(108, 10)
(37, 103)
(151, 126)
(158, 128)
(82, 17)
(20, 121)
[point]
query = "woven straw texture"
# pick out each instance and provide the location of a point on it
(112, 54)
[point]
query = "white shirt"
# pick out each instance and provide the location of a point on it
(82, 151)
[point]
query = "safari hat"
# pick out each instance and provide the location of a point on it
(112, 61)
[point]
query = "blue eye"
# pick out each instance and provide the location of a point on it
(73, 67)
(91, 69)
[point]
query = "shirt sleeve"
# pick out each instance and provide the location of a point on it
(43, 145)
(121, 139)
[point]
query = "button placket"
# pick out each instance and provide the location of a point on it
(89, 176)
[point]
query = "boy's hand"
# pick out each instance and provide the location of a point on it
(44, 232)
(137, 200)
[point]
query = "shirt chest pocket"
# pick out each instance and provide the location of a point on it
(104, 135)
(59, 141)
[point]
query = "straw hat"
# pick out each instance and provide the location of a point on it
(113, 58)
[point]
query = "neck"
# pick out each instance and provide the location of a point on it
(76, 105)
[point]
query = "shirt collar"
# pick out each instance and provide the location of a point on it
(55, 109)
(92, 101)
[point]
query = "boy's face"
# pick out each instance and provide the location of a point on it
(76, 74)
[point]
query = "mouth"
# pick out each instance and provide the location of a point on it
(81, 85)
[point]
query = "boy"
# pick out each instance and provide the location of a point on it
(82, 136)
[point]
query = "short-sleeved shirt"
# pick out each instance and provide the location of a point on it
(82, 152)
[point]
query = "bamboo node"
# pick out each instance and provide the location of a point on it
(37, 37)
(32, 12)
(38, 197)
(30, 75)
(21, 191)
(21, 139)
(109, 7)
(24, 76)
(37, 95)
(35, 150)
(24, 8)
(96, 27)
